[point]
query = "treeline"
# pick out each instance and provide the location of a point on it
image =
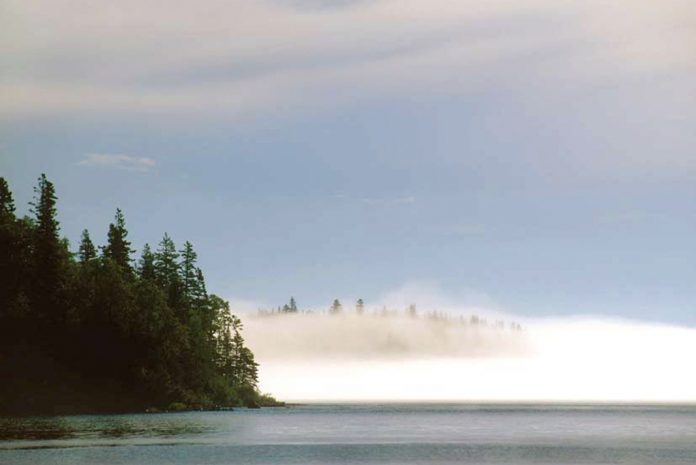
(336, 308)
(96, 330)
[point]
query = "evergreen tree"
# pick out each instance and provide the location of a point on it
(336, 307)
(188, 271)
(87, 250)
(7, 206)
(118, 247)
(293, 305)
(48, 254)
(10, 256)
(167, 274)
(166, 262)
(199, 293)
(101, 337)
(147, 264)
(360, 307)
(245, 368)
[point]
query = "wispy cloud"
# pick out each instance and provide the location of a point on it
(119, 161)
(319, 55)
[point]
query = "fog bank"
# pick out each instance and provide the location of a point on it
(368, 358)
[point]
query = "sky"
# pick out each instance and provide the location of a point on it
(535, 157)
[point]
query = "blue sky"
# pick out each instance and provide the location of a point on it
(536, 157)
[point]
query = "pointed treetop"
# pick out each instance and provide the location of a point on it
(360, 306)
(118, 247)
(166, 262)
(44, 208)
(147, 264)
(87, 250)
(187, 268)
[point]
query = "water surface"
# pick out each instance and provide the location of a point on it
(362, 434)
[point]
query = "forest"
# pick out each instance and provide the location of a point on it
(96, 330)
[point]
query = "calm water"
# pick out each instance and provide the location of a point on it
(361, 434)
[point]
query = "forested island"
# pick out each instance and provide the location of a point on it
(361, 309)
(94, 330)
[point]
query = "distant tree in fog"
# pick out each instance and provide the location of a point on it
(360, 307)
(336, 307)
(289, 307)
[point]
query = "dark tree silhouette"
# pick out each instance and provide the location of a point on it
(87, 250)
(92, 335)
(118, 247)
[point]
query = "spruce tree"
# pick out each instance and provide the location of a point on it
(48, 256)
(199, 292)
(105, 324)
(166, 262)
(187, 270)
(9, 265)
(87, 250)
(147, 264)
(118, 247)
(167, 273)
(7, 206)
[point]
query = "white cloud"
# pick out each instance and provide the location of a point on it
(125, 162)
(243, 58)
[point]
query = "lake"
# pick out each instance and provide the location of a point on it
(362, 434)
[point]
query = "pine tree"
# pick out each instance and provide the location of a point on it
(245, 368)
(167, 273)
(293, 305)
(166, 262)
(147, 264)
(16, 279)
(248, 368)
(9, 258)
(87, 250)
(188, 271)
(7, 206)
(48, 254)
(360, 307)
(336, 307)
(96, 323)
(199, 292)
(118, 247)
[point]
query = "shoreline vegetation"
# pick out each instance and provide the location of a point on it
(94, 330)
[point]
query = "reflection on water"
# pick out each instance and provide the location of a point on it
(365, 434)
(101, 426)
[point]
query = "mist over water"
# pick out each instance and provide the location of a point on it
(320, 357)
